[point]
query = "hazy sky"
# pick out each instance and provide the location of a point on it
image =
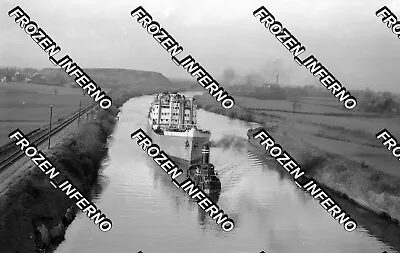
(345, 35)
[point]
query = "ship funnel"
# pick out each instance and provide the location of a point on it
(206, 154)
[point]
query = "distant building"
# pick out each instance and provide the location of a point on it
(37, 75)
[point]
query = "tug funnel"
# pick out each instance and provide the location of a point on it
(206, 154)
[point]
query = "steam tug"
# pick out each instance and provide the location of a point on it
(204, 175)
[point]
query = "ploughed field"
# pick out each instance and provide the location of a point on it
(27, 106)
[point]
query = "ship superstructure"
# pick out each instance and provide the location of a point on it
(173, 126)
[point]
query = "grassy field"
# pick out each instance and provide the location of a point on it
(27, 106)
(32, 202)
(305, 105)
(351, 136)
(340, 152)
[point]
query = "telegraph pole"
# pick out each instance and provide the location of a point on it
(51, 115)
(79, 112)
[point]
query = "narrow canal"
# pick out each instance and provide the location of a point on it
(151, 215)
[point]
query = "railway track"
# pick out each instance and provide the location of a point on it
(10, 159)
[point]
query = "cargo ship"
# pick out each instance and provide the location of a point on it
(204, 175)
(172, 125)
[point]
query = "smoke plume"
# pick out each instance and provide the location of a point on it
(266, 75)
(229, 141)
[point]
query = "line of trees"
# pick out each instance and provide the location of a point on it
(31, 75)
(269, 91)
(382, 104)
(276, 92)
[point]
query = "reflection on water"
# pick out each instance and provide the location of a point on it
(201, 217)
(151, 215)
(161, 177)
(376, 227)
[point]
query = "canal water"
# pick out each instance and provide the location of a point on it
(151, 215)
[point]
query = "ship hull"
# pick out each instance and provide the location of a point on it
(183, 148)
(209, 191)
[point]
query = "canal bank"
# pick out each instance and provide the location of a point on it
(365, 186)
(150, 214)
(33, 214)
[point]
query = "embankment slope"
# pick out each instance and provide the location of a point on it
(364, 184)
(33, 214)
(112, 77)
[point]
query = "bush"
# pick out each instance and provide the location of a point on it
(310, 162)
(232, 114)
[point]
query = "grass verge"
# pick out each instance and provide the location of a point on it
(362, 184)
(33, 214)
